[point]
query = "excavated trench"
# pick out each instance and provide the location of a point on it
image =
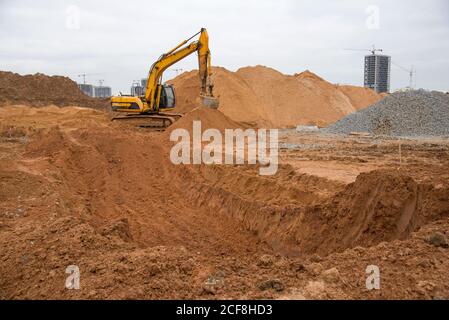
(379, 206)
(164, 204)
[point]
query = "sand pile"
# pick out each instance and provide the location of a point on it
(303, 98)
(42, 90)
(379, 206)
(209, 118)
(265, 97)
(411, 113)
(360, 97)
(237, 99)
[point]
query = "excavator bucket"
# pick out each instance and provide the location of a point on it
(209, 102)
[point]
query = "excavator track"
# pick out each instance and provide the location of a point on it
(157, 121)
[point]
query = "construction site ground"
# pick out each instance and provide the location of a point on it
(76, 189)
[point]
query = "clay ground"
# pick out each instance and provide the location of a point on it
(78, 190)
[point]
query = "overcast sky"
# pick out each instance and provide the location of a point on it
(117, 41)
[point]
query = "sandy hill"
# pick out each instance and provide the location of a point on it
(41, 90)
(360, 97)
(210, 119)
(238, 100)
(263, 96)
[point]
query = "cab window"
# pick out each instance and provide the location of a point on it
(168, 97)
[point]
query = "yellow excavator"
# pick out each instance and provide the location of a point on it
(150, 110)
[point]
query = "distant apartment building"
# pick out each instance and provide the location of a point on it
(137, 90)
(95, 92)
(87, 89)
(102, 92)
(377, 72)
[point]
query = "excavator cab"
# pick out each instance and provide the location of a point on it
(168, 98)
(136, 104)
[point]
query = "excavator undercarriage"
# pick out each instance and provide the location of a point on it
(157, 121)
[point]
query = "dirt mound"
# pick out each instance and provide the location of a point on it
(237, 98)
(209, 118)
(379, 206)
(42, 90)
(300, 99)
(360, 97)
(262, 96)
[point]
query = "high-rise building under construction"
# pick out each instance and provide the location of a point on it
(377, 72)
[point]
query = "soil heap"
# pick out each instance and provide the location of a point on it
(42, 90)
(262, 96)
(361, 97)
(209, 118)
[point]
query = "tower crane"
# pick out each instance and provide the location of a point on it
(411, 72)
(84, 75)
(373, 50)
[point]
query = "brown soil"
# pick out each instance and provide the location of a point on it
(76, 189)
(210, 119)
(360, 97)
(237, 99)
(42, 90)
(267, 98)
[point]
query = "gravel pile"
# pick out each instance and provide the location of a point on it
(411, 113)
